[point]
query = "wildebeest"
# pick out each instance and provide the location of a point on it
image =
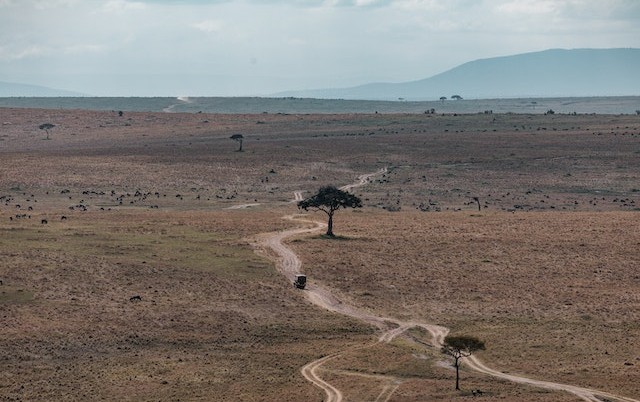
(136, 297)
(44, 221)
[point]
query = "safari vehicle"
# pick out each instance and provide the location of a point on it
(300, 282)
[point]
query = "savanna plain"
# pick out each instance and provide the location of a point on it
(130, 269)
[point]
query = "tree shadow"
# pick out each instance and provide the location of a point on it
(326, 237)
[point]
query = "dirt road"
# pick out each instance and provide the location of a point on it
(288, 263)
(364, 179)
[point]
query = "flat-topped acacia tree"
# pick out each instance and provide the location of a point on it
(239, 138)
(329, 199)
(46, 127)
(459, 347)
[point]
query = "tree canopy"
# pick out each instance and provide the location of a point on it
(46, 127)
(328, 200)
(239, 138)
(459, 347)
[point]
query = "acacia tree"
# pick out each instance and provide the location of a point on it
(477, 200)
(459, 347)
(329, 199)
(239, 138)
(46, 127)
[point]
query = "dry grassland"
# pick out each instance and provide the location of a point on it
(546, 272)
(215, 321)
(555, 295)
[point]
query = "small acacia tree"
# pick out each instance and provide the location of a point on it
(329, 199)
(239, 138)
(477, 200)
(46, 127)
(459, 347)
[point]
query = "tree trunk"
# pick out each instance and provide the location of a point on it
(330, 226)
(457, 375)
(240, 149)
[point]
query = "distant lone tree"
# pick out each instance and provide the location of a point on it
(329, 199)
(239, 138)
(459, 347)
(443, 98)
(46, 127)
(477, 200)
(456, 97)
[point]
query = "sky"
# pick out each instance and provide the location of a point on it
(252, 47)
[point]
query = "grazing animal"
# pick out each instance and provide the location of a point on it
(136, 297)
(44, 221)
(1, 282)
(63, 218)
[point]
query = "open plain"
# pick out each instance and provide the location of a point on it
(131, 265)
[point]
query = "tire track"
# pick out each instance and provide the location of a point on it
(288, 264)
(310, 373)
(587, 394)
(363, 179)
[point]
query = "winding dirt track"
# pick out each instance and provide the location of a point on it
(288, 263)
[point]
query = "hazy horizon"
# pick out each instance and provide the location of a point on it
(250, 47)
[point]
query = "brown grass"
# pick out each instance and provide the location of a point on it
(551, 293)
(213, 316)
(551, 287)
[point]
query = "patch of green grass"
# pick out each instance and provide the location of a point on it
(182, 247)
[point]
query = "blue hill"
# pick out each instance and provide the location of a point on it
(12, 89)
(550, 73)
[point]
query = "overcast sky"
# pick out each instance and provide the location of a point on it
(254, 47)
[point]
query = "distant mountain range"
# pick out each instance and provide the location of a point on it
(547, 74)
(550, 73)
(11, 89)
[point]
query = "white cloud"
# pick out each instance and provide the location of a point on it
(208, 26)
(298, 43)
(83, 49)
(528, 7)
(23, 53)
(120, 6)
